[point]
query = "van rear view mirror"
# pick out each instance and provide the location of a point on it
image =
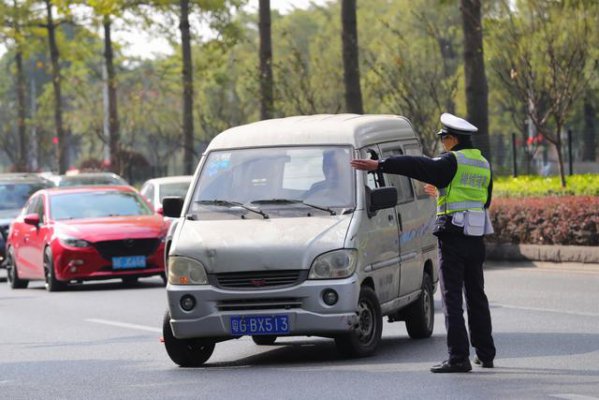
(172, 206)
(381, 198)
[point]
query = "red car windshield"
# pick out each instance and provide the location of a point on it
(96, 204)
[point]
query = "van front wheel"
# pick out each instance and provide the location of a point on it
(420, 316)
(187, 353)
(366, 334)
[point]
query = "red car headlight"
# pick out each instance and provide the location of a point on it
(73, 242)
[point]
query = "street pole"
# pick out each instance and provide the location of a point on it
(106, 121)
(570, 152)
(33, 164)
(514, 156)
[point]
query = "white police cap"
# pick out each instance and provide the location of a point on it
(455, 125)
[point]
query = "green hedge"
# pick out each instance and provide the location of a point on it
(538, 186)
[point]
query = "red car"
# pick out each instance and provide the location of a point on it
(85, 233)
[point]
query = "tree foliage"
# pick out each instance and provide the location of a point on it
(409, 60)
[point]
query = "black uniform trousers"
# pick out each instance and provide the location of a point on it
(461, 271)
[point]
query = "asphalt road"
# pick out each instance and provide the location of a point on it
(101, 341)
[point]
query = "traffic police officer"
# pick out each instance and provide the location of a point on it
(463, 179)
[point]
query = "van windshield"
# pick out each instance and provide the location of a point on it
(276, 177)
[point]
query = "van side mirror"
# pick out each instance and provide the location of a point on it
(172, 206)
(32, 219)
(381, 198)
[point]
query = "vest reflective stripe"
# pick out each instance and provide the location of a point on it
(468, 161)
(468, 188)
(462, 205)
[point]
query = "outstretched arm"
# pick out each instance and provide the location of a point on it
(438, 171)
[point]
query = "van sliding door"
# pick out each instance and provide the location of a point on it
(380, 239)
(409, 222)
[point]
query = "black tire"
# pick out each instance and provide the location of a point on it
(264, 340)
(420, 316)
(52, 284)
(12, 273)
(366, 334)
(187, 353)
(130, 280)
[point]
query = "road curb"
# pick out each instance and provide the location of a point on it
(553, 253)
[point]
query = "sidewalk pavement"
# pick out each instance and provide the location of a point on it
(549, 253)
(546, 265)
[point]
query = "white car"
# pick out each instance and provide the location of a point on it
(89, 179)
(171, 186)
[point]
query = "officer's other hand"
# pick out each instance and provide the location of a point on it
(430, 190)
(365, 165)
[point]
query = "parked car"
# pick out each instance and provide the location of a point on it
(158, 188)
(281, 237)
(85, 233)
(90, 178)
(15, 189)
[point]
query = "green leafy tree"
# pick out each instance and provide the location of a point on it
(351, 66)
(15, 18)
(474, 73)
(266, 80)
(543, 50)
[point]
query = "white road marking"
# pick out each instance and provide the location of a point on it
(568, 396)
(125, 325)
(582, 314)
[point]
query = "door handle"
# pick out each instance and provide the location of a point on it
(390, 217)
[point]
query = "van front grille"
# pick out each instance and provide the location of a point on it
(260, 279)
(285, 303)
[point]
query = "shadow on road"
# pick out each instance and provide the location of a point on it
(90, 286)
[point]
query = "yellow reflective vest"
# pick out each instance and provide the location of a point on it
(468, 190)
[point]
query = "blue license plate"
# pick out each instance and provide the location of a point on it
(260, 325)
(128, 262)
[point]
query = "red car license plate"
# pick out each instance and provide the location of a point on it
(128, 262)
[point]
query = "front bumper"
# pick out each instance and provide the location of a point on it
(87, 264)
(303, 304)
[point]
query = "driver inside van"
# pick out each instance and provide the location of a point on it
(335, 186)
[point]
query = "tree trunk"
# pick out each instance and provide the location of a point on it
(560, 159)
(589, 150)
(21, 113)
(474, 73)
(266, 81)
(61, 147)
(113, 115)
(187, 88)
(351, 67)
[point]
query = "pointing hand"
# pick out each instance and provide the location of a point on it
(365, 165)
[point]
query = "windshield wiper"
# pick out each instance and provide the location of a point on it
(293, 201)
(227, 203)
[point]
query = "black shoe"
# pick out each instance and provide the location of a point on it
(447, 366)
(484, 364)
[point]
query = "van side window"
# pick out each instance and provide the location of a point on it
(414, 150)
(374, 179)
(400, 182)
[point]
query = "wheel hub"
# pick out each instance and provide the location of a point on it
(365, 324)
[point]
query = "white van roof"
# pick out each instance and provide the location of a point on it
(322, 129)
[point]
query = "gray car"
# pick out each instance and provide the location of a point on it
(15, 190)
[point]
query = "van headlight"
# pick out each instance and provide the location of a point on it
(334, 265)
(186, 271)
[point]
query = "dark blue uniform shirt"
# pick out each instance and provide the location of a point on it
(438, 171)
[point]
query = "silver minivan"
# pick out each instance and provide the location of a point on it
(279, 236)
